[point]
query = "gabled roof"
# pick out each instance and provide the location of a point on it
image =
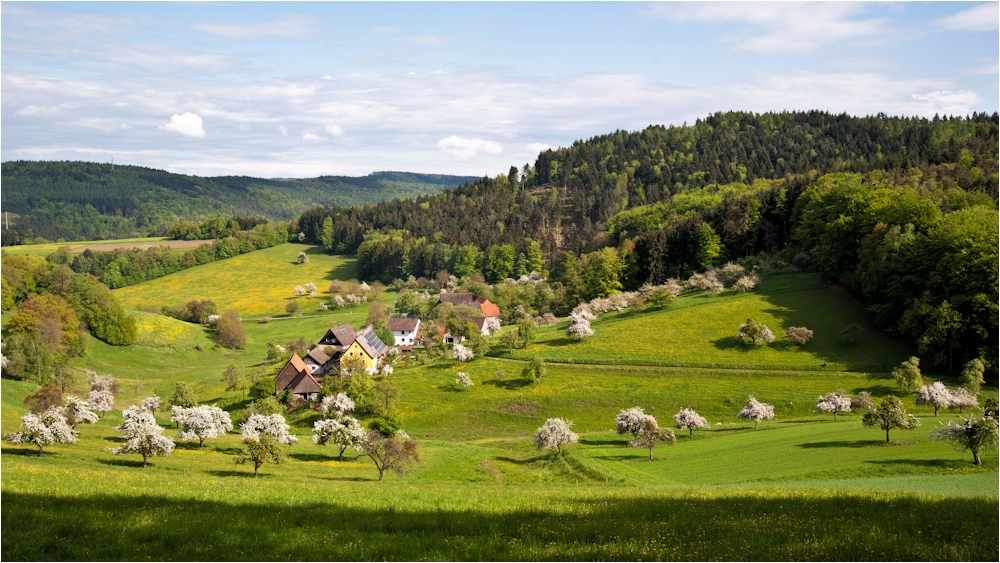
(318, 355)
(488, 308)
(343, 335)
(297, 363)
(478, 321)
(457, 298)
(403, 324)
(304, 384)
(371, 343)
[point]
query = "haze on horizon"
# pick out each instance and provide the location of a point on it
(305, 89)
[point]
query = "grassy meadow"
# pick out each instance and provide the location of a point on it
(801, 487)
(50, 247)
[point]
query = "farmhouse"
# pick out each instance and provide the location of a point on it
(405, 331)
(368, 347)
(318, 361)
(488, 308)
(297, 378)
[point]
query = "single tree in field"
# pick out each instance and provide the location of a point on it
(852, 334)
(834, 402)
(798, 334)
(394, 453)
(461, 353)
(292, 307)
(345, 432)
(972, 376)
(260, 450)
(534, 371)
(972, 434)
(754, 333)
(44, 399)
(907, 375)
(336, 406)
(554, 433)
(579, 324)
(526, 331)
(274, 424)
(963, 399)
(863, 400)
(229, 329)
(631, 420)
(756, 411)
(386, 390)
(302, 258)
(890, 414)
(183, 396)
(650, 436)
(463, 380)
(50, 427)
(990, 409)
(688, 419)
(142, 435)
(102, 390)
(78, 411)
(202, 423)
(935, 395)
(152, 404)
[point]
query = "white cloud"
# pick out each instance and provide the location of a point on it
(187, 124)
(36, 111)
(334, 130)
(385, 29)
(467, 148)
(778, 27)
(312, 137)
(984, 17)
(283, 130)
(289, 26)
(536, 148)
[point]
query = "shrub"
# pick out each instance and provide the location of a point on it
(798, 334)
(229, 329)
(754, 333)
(852, 334)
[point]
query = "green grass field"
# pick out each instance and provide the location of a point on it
(49, 248)
(802, 487)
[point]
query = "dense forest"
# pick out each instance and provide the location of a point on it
(93, 201)
(901, 210)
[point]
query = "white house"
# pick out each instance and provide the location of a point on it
(406, 331)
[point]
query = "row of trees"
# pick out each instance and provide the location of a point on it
(128, 266)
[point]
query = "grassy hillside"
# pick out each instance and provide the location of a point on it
(255, 284)
(699, 330)
(801, 487)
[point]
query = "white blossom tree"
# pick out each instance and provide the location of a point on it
(463, 380)
(203, 422)
(554, 433)
(756, 411)
(77, 411)
(50, 427)
(746, 283)
(688, 419)
(101, 401)
(579, 323)
(975, 434)
(834, 402)
(935, 395)
(152, 404)
(962, 399)
(492, 325)
(631, 420)
(311, 289)
(336, 405)
(343, 432)
(798, 334)
(461, 353)
(274, 425)
(142, 435)
(299, 291)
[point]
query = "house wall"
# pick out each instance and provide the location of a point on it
(355, 350)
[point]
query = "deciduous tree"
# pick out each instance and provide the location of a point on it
(344, 432)
(554, 433)
(756, 411)
(689, 419)
(971, 434)
(935, 395)
(394, 453)
(907, 375)
(202, 423)
(50, 427)
(890, 414)
(142, 435)
(650, 436)
(834, 402)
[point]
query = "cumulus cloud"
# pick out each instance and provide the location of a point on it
(334, 130)
(311, 137)
(984, 17)
(467, 148)
(36, 111)
(187, 124)
(283, 130)
(536, 148)
(288, 27)
(778, 27)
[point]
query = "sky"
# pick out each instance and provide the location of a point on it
(281, 89)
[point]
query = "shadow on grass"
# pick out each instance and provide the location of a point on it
(509, 384)
(130, 463)
(841, 444)
(731, 343)
(528, 461)
(22, 451)
(559, 342)
(351, 479)
(646, 525)
(936, 463)
(314, 457)
(610, 441)
(234, 473)
(344, 271)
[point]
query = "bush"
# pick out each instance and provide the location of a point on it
(535, 370)
(754, 333)
(852, 334)
(799, 334)
(292, 307)
(229, 329)
(385, 423)
(262, 389)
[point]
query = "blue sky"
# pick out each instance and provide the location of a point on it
(304, 89)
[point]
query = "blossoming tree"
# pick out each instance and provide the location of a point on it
(142, 435)
(554, 433)
(44, 429)
(756, 411)
(202, 423)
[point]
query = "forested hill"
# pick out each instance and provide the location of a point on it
(87, 201)
(903, 211)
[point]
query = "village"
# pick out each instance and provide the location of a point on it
(342, 347)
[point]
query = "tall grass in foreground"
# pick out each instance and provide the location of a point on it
(264, 520)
